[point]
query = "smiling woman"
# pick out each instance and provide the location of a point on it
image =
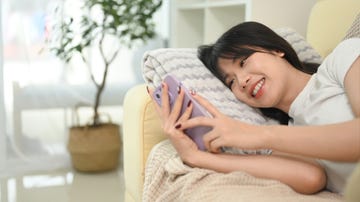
(231, 48)
(161, 162)
(267, 73)
(276, 79)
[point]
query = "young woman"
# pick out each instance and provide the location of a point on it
(322, 145)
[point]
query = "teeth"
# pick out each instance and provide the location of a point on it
(257, 87)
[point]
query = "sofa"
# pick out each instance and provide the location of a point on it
(141, 125)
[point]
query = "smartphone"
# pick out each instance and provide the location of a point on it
(174, 84)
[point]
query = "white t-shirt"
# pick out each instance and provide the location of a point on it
(324, 101)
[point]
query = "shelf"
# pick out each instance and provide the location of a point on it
(220, 19)
(189, 28)
(195, 22)
(226, 3)
(190, 5)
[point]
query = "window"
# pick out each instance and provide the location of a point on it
(40, 90)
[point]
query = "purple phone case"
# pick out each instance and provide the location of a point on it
(195, 133)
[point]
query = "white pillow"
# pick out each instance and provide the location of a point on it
(304, 50)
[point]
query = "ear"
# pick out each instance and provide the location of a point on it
(279, 53)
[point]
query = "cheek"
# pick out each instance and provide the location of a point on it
(239, 93)
(240, 96)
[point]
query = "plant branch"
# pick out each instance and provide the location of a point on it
(106, 63)
(89, 68)
(102, 84)
(114, 56)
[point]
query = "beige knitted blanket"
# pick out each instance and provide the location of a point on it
(168, 179)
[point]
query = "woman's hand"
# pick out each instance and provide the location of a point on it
(170, 118)
(226, 131)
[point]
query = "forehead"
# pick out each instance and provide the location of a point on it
(226, 61)
(234, 56)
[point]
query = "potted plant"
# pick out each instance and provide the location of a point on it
(96, 146)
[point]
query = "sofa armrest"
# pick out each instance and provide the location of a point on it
(141, 131)
(326, 30)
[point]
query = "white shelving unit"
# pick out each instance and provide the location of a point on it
(196, 22)
(202, 21)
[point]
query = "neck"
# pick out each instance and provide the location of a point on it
(296, 83)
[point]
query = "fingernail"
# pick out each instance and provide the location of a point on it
(179, 89)
(147, 89)
(178, 126)
(189, 103)
(192, 92)
(162, 85)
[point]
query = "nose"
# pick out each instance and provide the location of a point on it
(243, 81)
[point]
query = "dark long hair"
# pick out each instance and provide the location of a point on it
(243, 40)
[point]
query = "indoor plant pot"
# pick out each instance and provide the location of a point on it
(95, 148)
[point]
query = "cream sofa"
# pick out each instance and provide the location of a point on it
(141, 126)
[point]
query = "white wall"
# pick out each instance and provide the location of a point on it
(287, 13)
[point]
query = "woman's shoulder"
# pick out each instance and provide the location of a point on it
(337, 63)
(348, 45)
(346, 50)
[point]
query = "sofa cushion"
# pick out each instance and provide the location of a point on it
(354, 30)
(303, 49)
(328, 23)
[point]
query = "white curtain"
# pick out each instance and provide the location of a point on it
(38, 92)
(2, 106)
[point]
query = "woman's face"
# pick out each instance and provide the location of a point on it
(259, 80)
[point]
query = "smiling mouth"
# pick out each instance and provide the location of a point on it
(258, 87)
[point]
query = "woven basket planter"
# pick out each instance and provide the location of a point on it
(95, 149)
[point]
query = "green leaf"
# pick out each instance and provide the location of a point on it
(127, 20)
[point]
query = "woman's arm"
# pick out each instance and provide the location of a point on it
(339, 142)
(304, 176)
(352, 85)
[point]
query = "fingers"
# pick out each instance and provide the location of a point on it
(206, 104)
(187, 113)
(151, 94)
(174, 120)
(197, 121)
(169, 113)
(176, 109)
(210, 139)
(165, 102)
(212, 142)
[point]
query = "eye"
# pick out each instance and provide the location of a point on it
(242, 62)
(230, 84)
